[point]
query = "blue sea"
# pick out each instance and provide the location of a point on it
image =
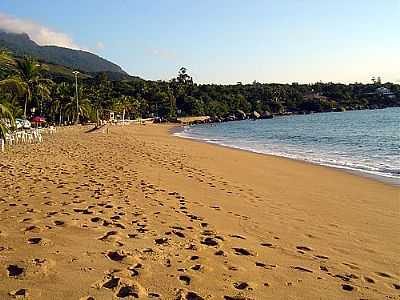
(366, 141)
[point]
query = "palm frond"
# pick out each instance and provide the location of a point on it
(14, 85)
(28, 68)
(5, 113)
(6, 58)
(5, 117)
(3, 129)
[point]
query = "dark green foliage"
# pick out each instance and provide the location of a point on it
(131, 97)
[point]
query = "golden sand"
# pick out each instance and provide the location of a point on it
(138, 213)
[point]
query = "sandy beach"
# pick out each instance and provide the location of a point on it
(140, 214)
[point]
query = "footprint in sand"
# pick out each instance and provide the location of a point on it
(95, 219)
(368, 279)
(107, 235)
(111, 283)
(154, 295)
(208, 241)
(127, 291)
(182, 295)
(343, 277)
(147, 250)
(185, 279)
(32, 228)
(34, 241)
(351, 266)
(15, 271)
(302, 269)
(263, 265)
(161, 241)
(321, 256)
(324, 268)
(197, 267)
(133, 271)
(220, 253)
(243, 251)
(21, 293)
(178, 233)
(116, 255)
(236, 236)
(383, 274)
(59, 223)
(347, 287)
(303, 248)
(236, 298)
(241, 285)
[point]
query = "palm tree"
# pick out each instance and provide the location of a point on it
(11, 84)
(124, 103)
(83, 104)
(101, 96)
(101, 99)
(6, 120)
(6, 59)
(98, 104)
(12, 103)
(29, 75)
(42, 92)
(63, 95)
(27, 80)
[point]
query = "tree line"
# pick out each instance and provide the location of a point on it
(28, 89)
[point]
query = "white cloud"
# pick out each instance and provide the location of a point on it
(37, 32)
(162, 53)
(99, 46)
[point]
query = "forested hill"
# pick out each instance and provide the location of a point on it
(21, 44)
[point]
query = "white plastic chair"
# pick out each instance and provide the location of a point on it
(10, 139)
(37, 136)
(29, 138)
(24, 137)
(20, 137)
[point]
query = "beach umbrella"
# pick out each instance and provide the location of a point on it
(38, 120)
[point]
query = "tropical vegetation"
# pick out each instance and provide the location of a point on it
(27, 88)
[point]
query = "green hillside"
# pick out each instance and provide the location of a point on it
(21, 44)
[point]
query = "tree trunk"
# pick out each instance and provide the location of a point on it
(97, 117)
(25, 106)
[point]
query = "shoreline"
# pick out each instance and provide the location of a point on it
(375, 177)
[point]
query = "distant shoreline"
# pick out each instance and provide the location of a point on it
(382, 179)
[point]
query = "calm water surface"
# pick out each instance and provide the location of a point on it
(366, 141)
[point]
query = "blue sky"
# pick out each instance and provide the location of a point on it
(226, 41)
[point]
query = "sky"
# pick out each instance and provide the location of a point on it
(224, 41)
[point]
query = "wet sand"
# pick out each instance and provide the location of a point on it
(138, 213)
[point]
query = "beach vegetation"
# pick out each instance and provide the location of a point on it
(30, 88)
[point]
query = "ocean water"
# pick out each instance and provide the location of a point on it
(366, 141)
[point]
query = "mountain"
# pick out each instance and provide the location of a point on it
(21, 44)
